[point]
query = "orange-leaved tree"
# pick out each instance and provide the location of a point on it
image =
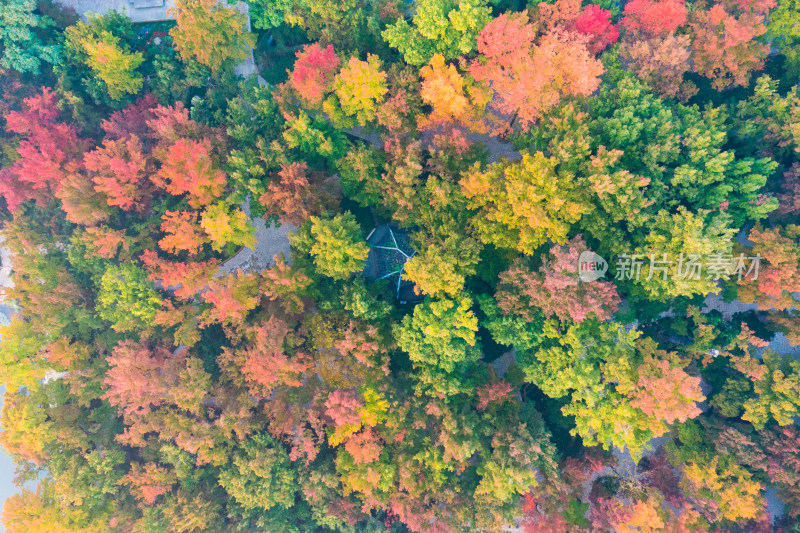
(531, 74)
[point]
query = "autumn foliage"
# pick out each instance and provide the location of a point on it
(530, 74)
(293, 197)
(556, 290)
(313, 72)
(461, 267)
(654, 18)
(46, 151)
(725, 46)
(121, 170)
(212, 33)
(189, 168)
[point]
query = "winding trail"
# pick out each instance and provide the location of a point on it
(5, 270)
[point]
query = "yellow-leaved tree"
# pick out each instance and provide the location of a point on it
(211, 33)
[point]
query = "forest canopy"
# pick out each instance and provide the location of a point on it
(311, 266)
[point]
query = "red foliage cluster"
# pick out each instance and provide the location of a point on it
(107, 241)
(313, 72)
(596, 22)
(294, 196)
(121, 170)
(493, 392)
(140, 378)
(365, 446)
(265, 362)
(530, 75)
(343, 407)
(725, 48)
(556, 289)
(182, 232)
(184, 279)
(231, 298)
(654, 17)
(667, 393)
(189, 168)
(133, 120)
(150, 481)
(47, 152)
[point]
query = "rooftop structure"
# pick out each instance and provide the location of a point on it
(137, 10)
(390, 249)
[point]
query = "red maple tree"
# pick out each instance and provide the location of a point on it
(295, 196)
(190, 168)
(531, 75)
(47, 151)
(121, 170)
(654, 17)
(313, 72)
(556, 289)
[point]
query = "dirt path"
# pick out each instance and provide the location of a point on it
(270, 241)
(497, 149)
